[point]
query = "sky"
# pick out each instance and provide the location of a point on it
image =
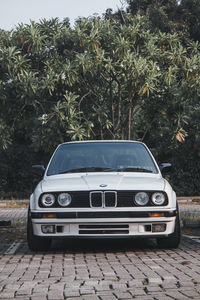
(14, 12)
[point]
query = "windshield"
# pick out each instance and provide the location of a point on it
(101, 157)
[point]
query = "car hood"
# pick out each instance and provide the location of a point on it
(114, 181)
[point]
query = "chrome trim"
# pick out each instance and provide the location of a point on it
(102, 197)
(104, 202)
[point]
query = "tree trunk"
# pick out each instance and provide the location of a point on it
(130, 114)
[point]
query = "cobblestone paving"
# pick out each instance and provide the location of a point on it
(13, 214)
(193, 210)
(104, 270)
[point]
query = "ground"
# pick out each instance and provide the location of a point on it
(95, 269)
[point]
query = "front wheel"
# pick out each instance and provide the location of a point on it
(36, 243)
(173, 240)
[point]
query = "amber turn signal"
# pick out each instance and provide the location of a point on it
(49, 216)
(156, 214)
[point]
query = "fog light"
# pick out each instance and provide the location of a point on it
(158, 227)
(48, 228)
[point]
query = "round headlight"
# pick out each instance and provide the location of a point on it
(64, 199)
(48, 200)
(158, 198)
(142, 198)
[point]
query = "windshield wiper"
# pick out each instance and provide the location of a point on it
(87, 169)
(100, 169)
(134, 169)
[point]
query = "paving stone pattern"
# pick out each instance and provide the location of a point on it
(104, 270)
(13, 214)
(193, 210)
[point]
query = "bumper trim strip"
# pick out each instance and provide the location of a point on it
(104, 215)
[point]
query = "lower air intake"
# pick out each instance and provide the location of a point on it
(103, 229)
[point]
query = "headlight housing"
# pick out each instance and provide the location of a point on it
(48, 200)
(64, 199)
(141, 198)
(158, 198)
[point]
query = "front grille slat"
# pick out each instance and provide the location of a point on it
(103, 226)
(96, 199)
(125, 199)
(104, 231)
(110, 199)
(103, 199)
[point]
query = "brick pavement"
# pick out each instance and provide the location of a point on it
(93, 269)
(13, 214)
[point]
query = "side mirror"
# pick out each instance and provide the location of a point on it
(38, 170)
(166, 166)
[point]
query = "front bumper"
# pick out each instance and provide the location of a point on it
(104, 224)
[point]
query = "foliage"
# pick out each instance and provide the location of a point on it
(110, 78)
(180, 16)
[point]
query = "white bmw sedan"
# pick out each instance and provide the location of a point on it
(102, 189)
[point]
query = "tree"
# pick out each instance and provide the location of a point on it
(171, 16)
(189, 13)
(103, 79)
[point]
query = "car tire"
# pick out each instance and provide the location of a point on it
(36, 243)
(173, 240)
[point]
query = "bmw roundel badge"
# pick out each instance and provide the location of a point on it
(103, 185)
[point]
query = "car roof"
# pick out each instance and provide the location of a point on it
(102, 141)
